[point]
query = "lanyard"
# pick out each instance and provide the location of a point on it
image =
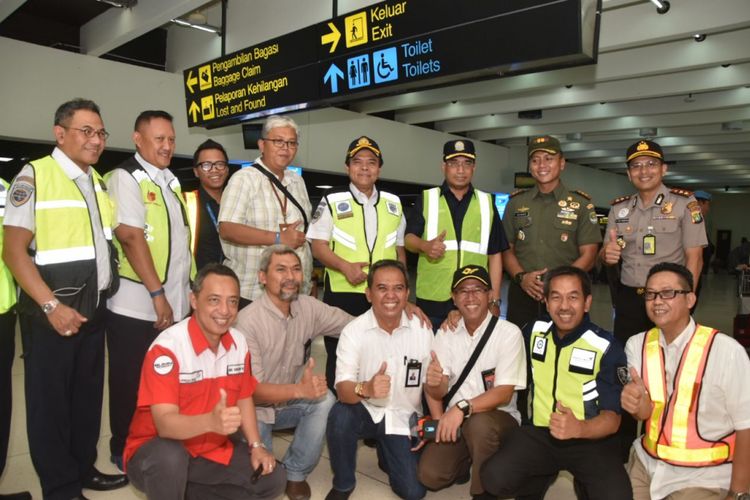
(212, 215)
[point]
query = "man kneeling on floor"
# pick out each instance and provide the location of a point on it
(196, 390)
(574, 391)
(476, 371)
(382, 358)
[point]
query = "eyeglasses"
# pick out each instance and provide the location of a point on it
(281, 143)
(90, 132)
(462, 164)
(476, 290)
(646, 165)
(207, 166)
(664, 294)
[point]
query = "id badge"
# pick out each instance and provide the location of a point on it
(488, 378)
(413, 373)
(649, 244)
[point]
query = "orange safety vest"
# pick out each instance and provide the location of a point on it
(672, 433)
(192, 200)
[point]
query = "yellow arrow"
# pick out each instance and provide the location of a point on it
(194, 110)
(191, 80)
(333, 38)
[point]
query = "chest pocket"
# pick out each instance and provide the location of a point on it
(665, 226)
(521, 221)
(566, 224)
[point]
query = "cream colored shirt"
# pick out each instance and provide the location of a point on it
(723, 406)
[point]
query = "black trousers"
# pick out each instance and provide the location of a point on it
(7, 353)
(630, 319)
(128, 340)
(64, 378)
(530, 458)
(522, 308)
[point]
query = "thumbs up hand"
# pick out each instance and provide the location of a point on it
(226, 420)
(312, 386)
(434, 371)
(291, 235)
(634, 398)
(613, 249)
(563, 423)
(380, 383)
(435, 248)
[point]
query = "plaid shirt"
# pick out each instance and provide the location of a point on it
(249, 199)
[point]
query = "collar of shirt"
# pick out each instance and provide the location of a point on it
(203, 196)
(372, 322)
(663, 192)
(287, 173)
(361, 197)
(461, 328)
(585, 325)
(155, 172)
(198, 339)
(72, 170)
(681, 340)
(560, 192)
(446, 192)
(267, 303)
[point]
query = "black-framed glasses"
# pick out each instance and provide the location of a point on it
(90, 132)
(664, 294)
(207, 166)
(281, 143)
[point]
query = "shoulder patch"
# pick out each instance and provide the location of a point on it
(620, 199)
(681, 192)
(517, 192)
(582, 193)
(21, 190)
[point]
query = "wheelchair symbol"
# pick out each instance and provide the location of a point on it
(386, 65)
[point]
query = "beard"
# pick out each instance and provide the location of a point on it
(289, 295)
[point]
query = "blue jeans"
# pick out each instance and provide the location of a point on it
(349, 423)
(308, 419)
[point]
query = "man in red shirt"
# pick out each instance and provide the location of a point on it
(196, 390)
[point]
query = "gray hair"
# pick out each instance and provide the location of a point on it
(270, 251)
(277, 121)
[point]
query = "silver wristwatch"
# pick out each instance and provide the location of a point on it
(50, 306)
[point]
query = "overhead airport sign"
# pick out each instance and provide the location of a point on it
(391, 47)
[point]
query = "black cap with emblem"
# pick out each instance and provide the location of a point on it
(463, 147)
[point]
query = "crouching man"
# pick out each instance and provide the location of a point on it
(196, 390)
(381, 362)
(475, 371)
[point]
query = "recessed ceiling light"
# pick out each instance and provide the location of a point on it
(324, 186)
(5, 158)
(699, 37)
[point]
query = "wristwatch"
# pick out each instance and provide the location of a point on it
(50, 306)
(359, 390)
(465, 407)
(494, 302)
(739, 496)
(257, 444)
(519, 277)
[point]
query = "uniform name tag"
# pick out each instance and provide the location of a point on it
(581, 358)
(413, 373)
(191, 377)
(539, 348)
(235, 369)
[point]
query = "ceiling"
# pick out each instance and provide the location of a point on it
(651, 74)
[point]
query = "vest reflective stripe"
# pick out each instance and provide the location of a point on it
(7, 285)
(672, 433)
(58, 198)
(157, 229)
(191, 206)
(552, 368)
(434, 276)
(349, 240)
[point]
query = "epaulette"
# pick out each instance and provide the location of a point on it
(681, 192)
(582, 193)
(517, 191)
(620, 199)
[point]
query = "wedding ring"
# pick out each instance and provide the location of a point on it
(68, 333)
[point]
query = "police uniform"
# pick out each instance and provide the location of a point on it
(70, 215)
(7, 338)
(659, 232)
(546, 231)
(357, 229)
(146, 197)
(579, 370)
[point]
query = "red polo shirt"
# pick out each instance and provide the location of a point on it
(181, 369)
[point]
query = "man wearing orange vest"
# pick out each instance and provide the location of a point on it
(689, 387)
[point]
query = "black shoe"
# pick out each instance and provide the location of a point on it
(338, 495)
(23, 495)
(117, 461)
(79, 497)
(105, 482)
(483, 496)
(370, 442)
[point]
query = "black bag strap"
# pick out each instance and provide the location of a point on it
(280, 187)
(472, 361)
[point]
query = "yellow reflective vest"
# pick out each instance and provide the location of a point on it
(566, 374)
(349, 240)
(671, 432)
(434, 276)
(7, 285)
(157, 230)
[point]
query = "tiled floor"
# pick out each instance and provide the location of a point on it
(717, 308)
